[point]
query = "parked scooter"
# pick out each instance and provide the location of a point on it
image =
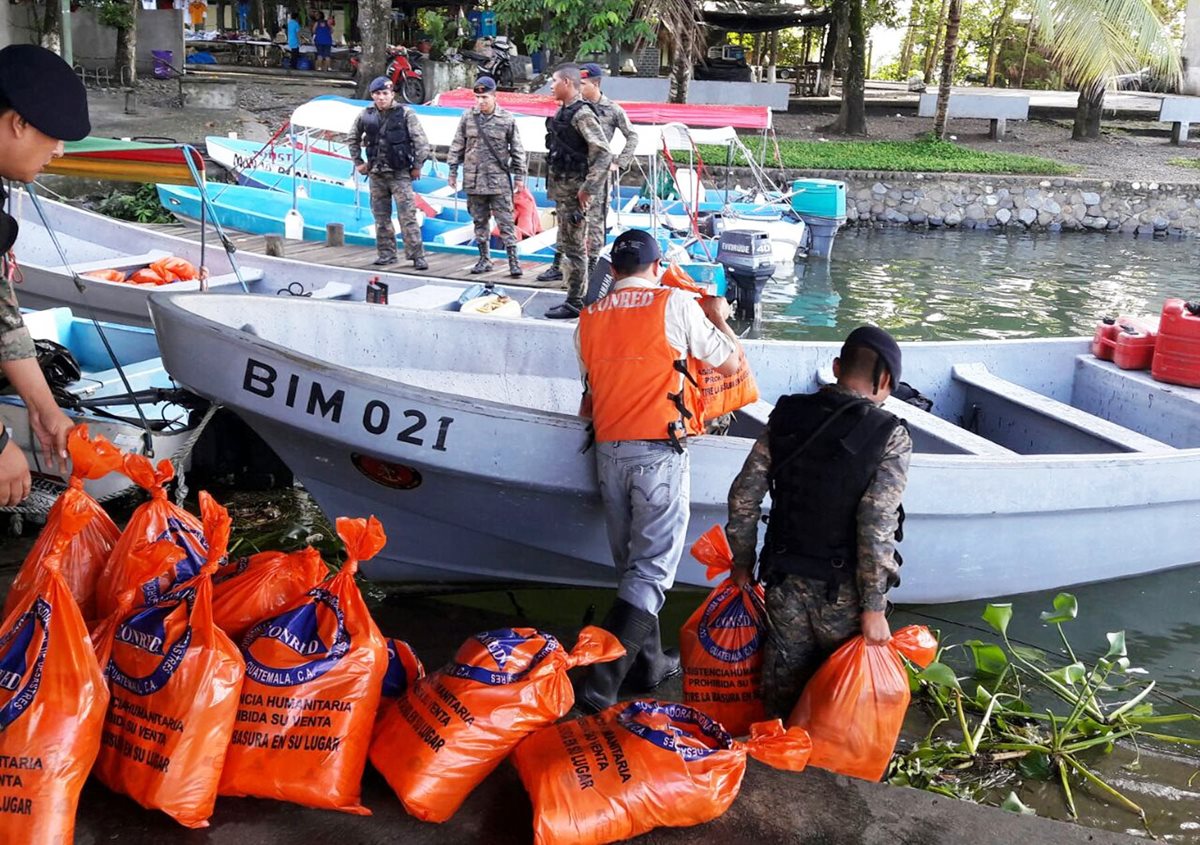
(496, 63)
(407, 78)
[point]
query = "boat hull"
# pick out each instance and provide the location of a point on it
(481, 489)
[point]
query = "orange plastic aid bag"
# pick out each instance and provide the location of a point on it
(639, 766)
(719, 394)
(249, 590)
(52, 702)
(158, 519)
(404, 668)
(85, 556)
(439, 740)
(175, 681)
(313, 676)
(174, 269)
(146, 276)
(854, 706)
(721, 643)
(105, 275)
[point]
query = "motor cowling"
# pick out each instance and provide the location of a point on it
(746, 256)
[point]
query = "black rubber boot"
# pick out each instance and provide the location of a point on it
(564, 311)
(484, 264)
(514, 266)
(630, 625)
(419, 263)
(554, 272)
(654, 664)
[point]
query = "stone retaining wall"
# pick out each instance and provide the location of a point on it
(1051, 203)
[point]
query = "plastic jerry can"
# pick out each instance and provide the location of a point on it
(1104, 340)
(1177, 352)
(1135, 344)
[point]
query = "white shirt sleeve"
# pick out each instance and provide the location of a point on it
(689, 331)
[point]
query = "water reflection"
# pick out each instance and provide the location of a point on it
(956, 285)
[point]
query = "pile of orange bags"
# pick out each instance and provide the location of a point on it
(854, 706)
(439, 740)
(313, 678)
(85, 556)
(157, 519)
(164, 271)
(176, 679)
(52, 698)
(720, 645)
(642, 765)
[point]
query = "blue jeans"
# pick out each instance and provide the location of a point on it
(646, 489)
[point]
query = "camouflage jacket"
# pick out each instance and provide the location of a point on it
(599, 158)
(877, 512)
(483, 172)
(15, 342)
(612, 118)
(420, 144)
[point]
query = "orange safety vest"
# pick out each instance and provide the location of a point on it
(641, 389)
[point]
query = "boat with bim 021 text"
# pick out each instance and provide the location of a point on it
(478, 460)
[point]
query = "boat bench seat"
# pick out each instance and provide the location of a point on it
(124, 263)
(1079, 431)
(1167, 412)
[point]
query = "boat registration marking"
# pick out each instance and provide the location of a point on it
(263, 380)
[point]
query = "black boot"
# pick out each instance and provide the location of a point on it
(630, 625)
(484, 264)
(554, 273)
(514, 266)
(654, 664)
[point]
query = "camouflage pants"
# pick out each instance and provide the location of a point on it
(597, 219)
(572, 236)
(384, 188)
(804, 627)
(483, 207)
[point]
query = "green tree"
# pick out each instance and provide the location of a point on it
(374, 24)
(121, 15)
(575, 27)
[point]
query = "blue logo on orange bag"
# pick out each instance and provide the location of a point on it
(149, 645)
(22, 655)
(399, 676)
(195, 551)
(676, 728)
(729, 630)
(502, 648)
(290, 648)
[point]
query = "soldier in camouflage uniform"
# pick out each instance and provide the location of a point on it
(578, 161)
(488, 146)
(42, 104)
(836, 465)
(396, 150)
(612, 118)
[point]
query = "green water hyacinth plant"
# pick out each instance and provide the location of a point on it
(1019, 712)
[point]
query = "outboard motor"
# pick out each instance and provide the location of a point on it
(746, 256)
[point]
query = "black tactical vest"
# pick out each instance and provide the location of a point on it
(825, 449)
(567, 149)
(396, 144)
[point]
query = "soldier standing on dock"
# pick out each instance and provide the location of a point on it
(488, 146)
(396, 150)
(42, 104)
(612, 118)
(836, 465)
(578, 160)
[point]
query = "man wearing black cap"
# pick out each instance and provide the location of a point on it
(835, 464)
(42, 104)
(633, 346)
(488, 146)
(612, 119)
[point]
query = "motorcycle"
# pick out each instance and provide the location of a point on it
(407, 78)
(497, 64)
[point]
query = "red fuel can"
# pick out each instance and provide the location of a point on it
(1104, 341)
(1135, 344)
(1177, 352)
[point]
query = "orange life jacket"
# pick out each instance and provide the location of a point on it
(641, 389)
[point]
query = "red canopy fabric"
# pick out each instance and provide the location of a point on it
(647, 114)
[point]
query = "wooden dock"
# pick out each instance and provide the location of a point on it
(444, 265)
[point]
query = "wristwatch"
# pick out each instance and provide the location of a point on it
(3, 438)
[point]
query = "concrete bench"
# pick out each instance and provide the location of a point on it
(1040, 425)
(1166, 412)
(1179, 112)
(998, 108)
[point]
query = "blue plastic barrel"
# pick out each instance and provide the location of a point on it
(164, 61)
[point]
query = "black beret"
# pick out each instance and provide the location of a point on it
(42, 88)
(634, 248)
(883, 344)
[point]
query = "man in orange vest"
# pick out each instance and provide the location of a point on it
(633, 347)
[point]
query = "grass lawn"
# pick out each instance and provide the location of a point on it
(1193, 163)
(924, 156)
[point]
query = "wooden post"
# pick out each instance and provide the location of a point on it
(275, 246)
(335, 234)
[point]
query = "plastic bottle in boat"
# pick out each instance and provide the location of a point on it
(377, 291)
(1177, 351)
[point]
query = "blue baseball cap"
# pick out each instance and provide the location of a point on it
(378, 84)
(590, 71)
(634, 248)
(484, 85)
